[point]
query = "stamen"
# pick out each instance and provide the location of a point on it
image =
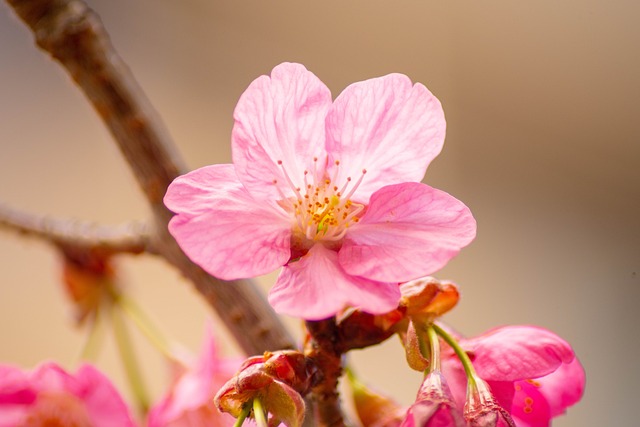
(356, 185)
(315, 169)
(286, 175)
(306, 183)
(336, 171)
(358, 208)
(321, 211)
(344, 187)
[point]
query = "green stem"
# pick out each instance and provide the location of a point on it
(90, 347)
(146, 326)
(462, 355)
(243, 416)
(258, 413)
(434, 343)
(128, 359)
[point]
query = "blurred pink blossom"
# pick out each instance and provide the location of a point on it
(329, 190)
(189, 402)
(49, 396)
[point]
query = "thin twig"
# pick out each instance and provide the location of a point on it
(128, 238)
(73, 35)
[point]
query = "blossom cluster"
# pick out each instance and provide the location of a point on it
(520, 376)
(331, 192)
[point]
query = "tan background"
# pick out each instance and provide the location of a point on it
(542, 101)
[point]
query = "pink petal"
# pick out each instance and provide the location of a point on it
(191, 399)
(389, 127)
(316, 287)
(14, 387)
(409, 230)
(454, 373)
(515, 353)
(103, 403)
(550, 395)
(279, 118)
(222, 228)
(529, 406)
(50, 377)
(503, 391)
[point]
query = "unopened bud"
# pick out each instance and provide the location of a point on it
(428, 297)
(482, 409)
(434, 405)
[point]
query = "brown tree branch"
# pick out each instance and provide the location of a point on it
(127, 238)
(324, 350)
(73, 35)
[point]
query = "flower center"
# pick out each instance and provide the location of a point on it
(322, 208)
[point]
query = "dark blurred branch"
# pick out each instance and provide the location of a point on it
(128, 238)
(73, 35)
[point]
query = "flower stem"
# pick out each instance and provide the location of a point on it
(462, 355)
(129, 362)
(90, 347)
(243, 416)
(434, 343)
(258, 413)
(146, 326)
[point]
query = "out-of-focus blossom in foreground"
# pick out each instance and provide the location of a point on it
(49, 396)
(189, 402)
(329, 190)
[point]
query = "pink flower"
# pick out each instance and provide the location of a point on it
(189, 403)
(50, 396)
(329, 190)
(533, 374)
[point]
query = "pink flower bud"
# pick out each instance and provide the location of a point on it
(482, 408)
(428, 298)
(434, 406)
(277, 379)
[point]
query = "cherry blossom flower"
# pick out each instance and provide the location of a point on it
(50, 396)
(532, 374)
(189, 402)
(329, 190)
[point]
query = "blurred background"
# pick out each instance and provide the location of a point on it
(543, 144)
